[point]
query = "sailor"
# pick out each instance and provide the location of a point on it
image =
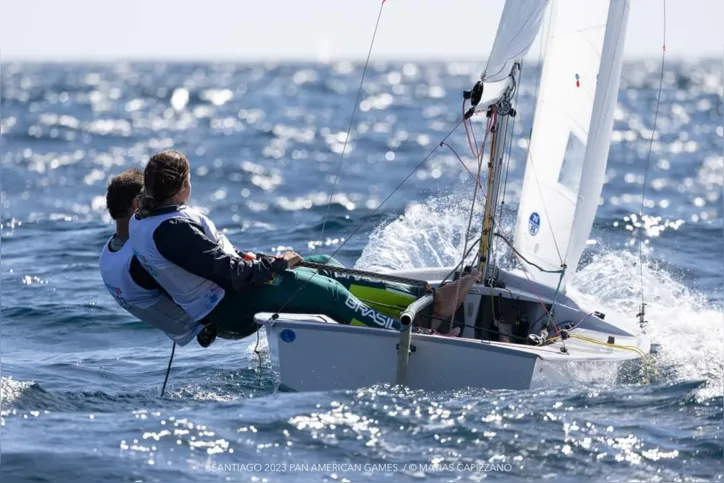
(182, 249)
(124, 277)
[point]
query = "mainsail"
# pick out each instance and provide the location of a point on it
(571, 134)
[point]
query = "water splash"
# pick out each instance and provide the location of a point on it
(11, 390)
(687, 329)
(430, 233)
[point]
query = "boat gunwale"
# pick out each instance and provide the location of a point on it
(549, 352)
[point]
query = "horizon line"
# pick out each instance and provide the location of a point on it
(304, 59)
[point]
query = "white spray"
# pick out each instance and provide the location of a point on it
(687, 329)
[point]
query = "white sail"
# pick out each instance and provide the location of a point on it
(599, 134)
(518, 28)
(571, 133)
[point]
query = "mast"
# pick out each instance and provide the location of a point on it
(519, 25)
(502, 110)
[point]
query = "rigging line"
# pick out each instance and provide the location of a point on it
(266, 82)
(539, 75)
(543, 204)
(168, 369)
(509, 134)
(258, 355)
(374, 212)
(507, 242)
(479, 153)
(492, 122)
(472, 133)
(480, 185)
(498, 218)
(351, 120)
(510, 146)
(360, 273)
(648, 161)
(475, 194)
(489, 219)
(461, 263)
(545, 309)
(472, 144)
(451, 273)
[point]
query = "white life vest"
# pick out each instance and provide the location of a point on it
(196, 295)
(150, 306)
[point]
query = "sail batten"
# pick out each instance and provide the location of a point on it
(571, 133)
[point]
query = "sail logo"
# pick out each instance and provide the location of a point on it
(534, 223)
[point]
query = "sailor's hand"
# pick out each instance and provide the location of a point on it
(292, 258)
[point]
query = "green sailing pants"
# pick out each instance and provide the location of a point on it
(344, 298)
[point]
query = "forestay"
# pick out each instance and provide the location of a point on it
(571, 133)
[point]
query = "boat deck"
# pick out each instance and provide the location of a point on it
(575, 349)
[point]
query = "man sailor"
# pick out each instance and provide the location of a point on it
(126, 279)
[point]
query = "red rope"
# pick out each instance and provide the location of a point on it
(478, 156)
(469, 128)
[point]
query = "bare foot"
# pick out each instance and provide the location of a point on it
(453, 333)
(450, 296)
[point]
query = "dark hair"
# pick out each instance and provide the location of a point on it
(122, 190)
(163, 178)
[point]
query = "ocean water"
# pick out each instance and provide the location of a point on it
(80, 379)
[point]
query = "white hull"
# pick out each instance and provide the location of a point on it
(314, 353)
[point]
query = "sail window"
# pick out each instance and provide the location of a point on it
(570, 173)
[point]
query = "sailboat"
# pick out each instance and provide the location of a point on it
(521, 329)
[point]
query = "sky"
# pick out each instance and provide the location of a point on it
(106, 30)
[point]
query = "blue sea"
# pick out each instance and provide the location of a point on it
(81, 379)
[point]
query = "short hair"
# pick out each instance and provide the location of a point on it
(122, 190)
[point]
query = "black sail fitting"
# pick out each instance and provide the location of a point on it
(475, 94)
